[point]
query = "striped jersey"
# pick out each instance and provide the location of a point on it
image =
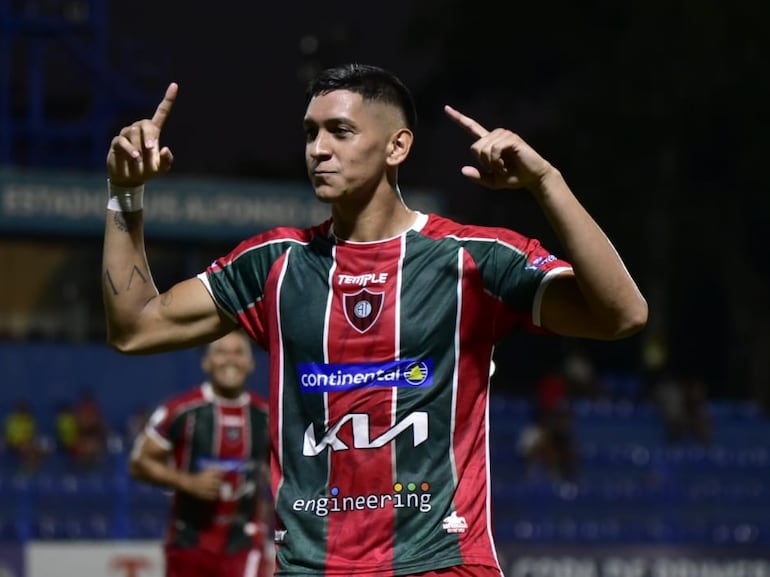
(380, 359)
(202, 431)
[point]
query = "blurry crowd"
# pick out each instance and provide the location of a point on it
(79, 435)
(548, 445)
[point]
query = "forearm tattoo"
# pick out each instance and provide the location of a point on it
(136, 276)
(126, 222)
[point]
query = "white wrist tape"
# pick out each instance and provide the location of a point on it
(125, 199)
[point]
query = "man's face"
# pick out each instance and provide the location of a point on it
(228, 362)
(347, 141)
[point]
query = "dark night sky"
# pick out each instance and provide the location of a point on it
(239, 68)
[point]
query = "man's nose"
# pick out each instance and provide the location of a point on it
(319, 148)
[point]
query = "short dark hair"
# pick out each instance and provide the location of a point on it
(371, 82)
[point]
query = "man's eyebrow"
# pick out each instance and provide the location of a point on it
(334, 121)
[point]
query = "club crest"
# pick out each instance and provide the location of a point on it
(362, 309)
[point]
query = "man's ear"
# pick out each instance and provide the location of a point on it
(399, 146)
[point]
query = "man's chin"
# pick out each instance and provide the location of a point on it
(325, 199)
(230, 389)
(326, 194)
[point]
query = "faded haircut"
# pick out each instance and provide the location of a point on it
(371, 82)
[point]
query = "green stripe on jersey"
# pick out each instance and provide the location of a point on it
(429, 478)
(302, 319)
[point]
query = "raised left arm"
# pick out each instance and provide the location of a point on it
(598, 299)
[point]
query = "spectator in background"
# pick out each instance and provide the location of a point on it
(210, 446)
(551, 393)
(21, 437)
(682, 402)
(66, 428)
(582, 380)
(81, 431)
(547, 445)
(91, 442)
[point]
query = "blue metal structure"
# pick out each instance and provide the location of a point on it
(60, 90)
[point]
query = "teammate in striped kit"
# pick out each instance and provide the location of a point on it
(210, 446)
(380, 324)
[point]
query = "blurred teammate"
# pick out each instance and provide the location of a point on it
(380, 323)
(209, 445)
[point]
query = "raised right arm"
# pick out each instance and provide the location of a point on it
(140, 319)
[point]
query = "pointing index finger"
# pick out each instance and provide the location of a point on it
(471, 126)
(164, 108)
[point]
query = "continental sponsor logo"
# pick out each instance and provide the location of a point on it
(327, 378)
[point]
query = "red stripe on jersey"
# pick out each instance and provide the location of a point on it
(373, 472)
(231, 441)
(251, 318)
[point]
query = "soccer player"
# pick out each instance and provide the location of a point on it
(210, 446)
(380, 324)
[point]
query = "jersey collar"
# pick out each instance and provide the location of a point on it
(420, 221)
(208, 393)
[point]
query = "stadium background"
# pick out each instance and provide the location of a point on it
(656, 113)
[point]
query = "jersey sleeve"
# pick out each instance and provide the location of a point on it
(159, 427)
(237, 280)
(516, 270)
